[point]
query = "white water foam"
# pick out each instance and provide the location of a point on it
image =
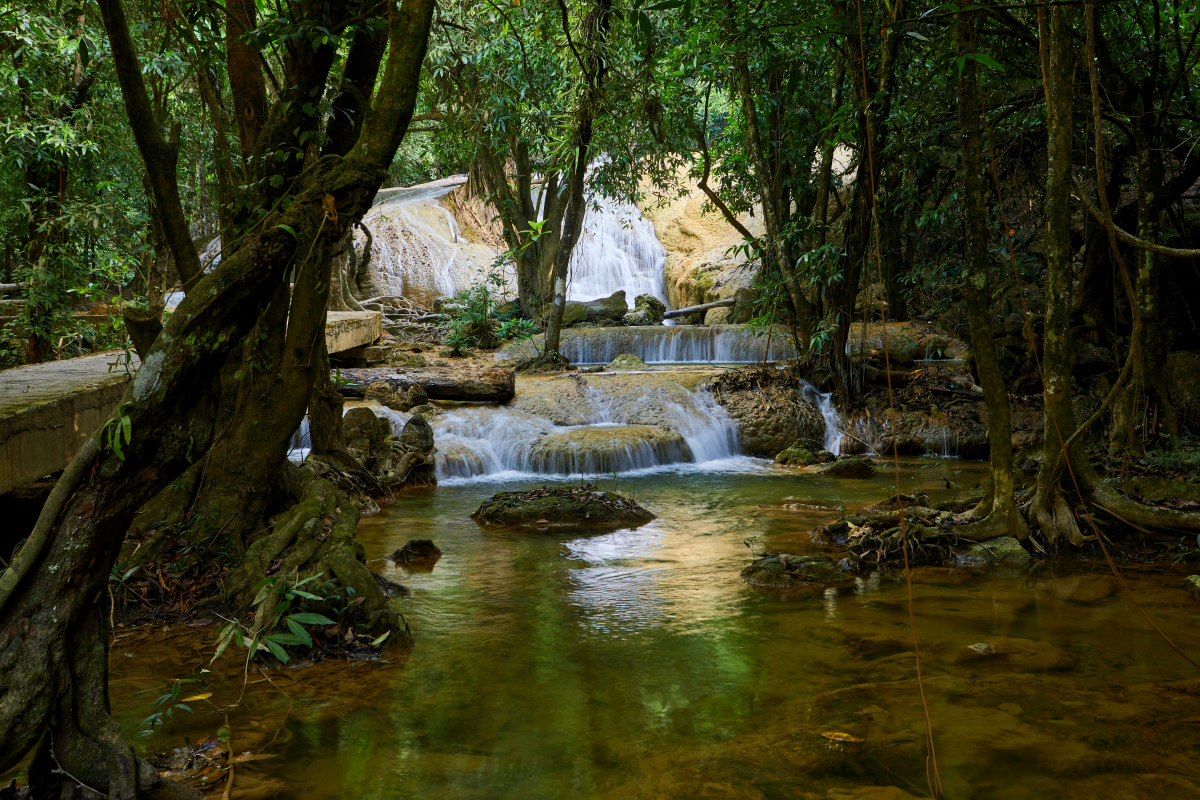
(494, 442)
(833, 420)
(617, 250)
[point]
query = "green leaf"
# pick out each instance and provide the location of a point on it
(276, 650)
(666, 5)
(309, 618)
(289, 229)
(299, 632)
(917, 36)
(987, 61)
(380, 640)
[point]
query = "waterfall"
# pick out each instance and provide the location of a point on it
(617, 250)
(720, 344)
(499, 442)
(418, 249)
(833, 420)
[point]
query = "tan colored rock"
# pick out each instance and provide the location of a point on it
(698, 268)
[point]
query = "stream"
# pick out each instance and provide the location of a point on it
(637, 663)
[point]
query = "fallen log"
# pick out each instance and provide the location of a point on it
(494, 384)
(683, 312)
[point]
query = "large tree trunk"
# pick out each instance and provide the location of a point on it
(1050, 507)
(53, 639)
(1000, 513)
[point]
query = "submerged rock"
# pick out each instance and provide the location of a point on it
(1192, 585)
(783, 571)
(627, 361)
(417, 551)
(1006, 550)
(566, 506)
(848, 467)
(796, 456)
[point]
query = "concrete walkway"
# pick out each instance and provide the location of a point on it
(47, 411)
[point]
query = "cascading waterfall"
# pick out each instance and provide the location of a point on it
(617, 250)
(719, 344)
(833, 420)
(499, 442)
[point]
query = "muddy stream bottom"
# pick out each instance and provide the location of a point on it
(637, 664)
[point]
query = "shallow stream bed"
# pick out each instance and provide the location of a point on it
(637, 664)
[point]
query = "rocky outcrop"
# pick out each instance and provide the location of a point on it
(609, 310)
(495, 384)
(783, 571)
(566, 506)
(379, 462)
(397, 400)
(647, 310)
(772, 419)
(607, 448)
(702, 263)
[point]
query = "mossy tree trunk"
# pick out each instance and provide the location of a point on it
(1050, 508)
(53, 634)
(999, 511)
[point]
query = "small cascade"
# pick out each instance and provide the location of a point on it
(833, 420)
(720, 344)
(499, 442)
(617, 250)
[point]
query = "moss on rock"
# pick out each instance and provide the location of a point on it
(783, 571)
(566, 506)
(796, 456)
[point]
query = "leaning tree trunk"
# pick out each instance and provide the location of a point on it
(53, 637)
(1002, 517)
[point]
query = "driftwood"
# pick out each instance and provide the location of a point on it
(683, 312)
(495, 384)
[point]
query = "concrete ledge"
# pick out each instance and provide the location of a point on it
(345, 330)
(47, 412)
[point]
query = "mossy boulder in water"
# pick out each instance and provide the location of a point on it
(849, 467)
(417, 551)
(1005, 550)
(607, 310)
(783, 571)
(647, 310)
(565, 506)
(627, 361)
(1192, 584)
(796, 456)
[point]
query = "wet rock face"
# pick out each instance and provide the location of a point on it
(1004, 550)
(567, 506)
(417, 435)
(773, 419)
(1192, 585)
(783, 571)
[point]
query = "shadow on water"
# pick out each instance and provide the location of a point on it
(637, 664)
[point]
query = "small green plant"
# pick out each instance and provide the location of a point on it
(168, 704)
(118, 427)
(517, 329)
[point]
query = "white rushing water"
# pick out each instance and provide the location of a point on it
(680, 344)
(833, 420)
(498, 442)
(617, 250)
